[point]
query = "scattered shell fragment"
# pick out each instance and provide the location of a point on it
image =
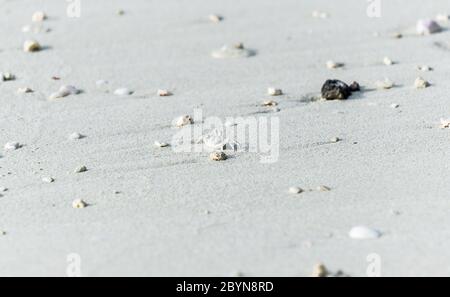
(232, 51)
(123, 92)
(323, 188)
(421, 83)
(215, 18)
(48, 179)
(269, 103)
(75, 136)
(445, 123)
(161, 144)
(3, 189)
(427, 27)
(335, 139)
(397, 35)
(31, 46)
(319, 271)
(7, 76)
(334, 65)
(164, 93)
(385, 84)
(39, 16)
(387, 61)
(295, 190)
(395, 105)
(24, 90)
(12, 146)
(65, 91)
(81, 169)
(2, 233)
(218, 156)
(78, 203)
(274, 92)
(363, 232)
(183, 121)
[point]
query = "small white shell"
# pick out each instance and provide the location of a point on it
(215, 18)
(274, 92)
(334, 65)
(232, 51)
(65, 91)
(12, 146)
(385, 84)
(387, 61)
(363, 232)
(39, 16)
(31, 46)
(161, 144)
(48, 179)
(183, 121)
(395, 105)
(427, 27)
(295, 190)
(3, 189)
(75, 136)
(164, 93)
(421, 83)
(123, 92)
(78, 203)
(24, 90)
(81, 169)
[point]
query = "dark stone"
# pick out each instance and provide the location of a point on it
(355, 87)
(335, 89)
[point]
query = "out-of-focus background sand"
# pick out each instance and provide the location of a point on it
(390, 160)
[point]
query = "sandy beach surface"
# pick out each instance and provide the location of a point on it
(156, 212)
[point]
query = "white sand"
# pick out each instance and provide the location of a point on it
(157, 225)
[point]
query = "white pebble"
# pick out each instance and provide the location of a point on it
(161, 144)
(295, 190)
(427, 27)
(334, 65)
(363, 232)
(335, 139)
(65, 91)
(164, 93)
(183, 121)
(31, 46)
(395, 105)
(123, 92)
(12, 146)
(78, 203)
(75, 136)
(215, 18)
(39, 16)
(24, 90)
(387, 61)
(384, 84)
(274, 92)
(3, 189)
(48, 179)
(269, 103)
(81, 169)
(421, 83)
